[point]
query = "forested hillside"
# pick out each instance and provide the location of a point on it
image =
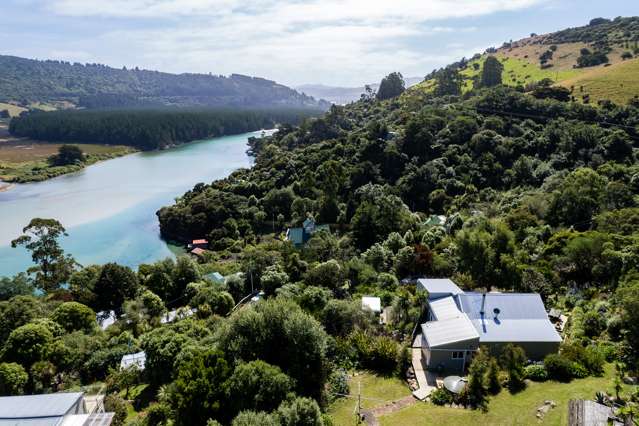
(96, 85)
(148, 129)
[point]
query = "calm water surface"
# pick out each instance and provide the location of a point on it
(109, 208)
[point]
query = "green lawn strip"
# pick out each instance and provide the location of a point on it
(508, 409)
(384, 389)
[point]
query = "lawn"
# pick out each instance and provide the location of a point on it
(508, 409)
(379, 389)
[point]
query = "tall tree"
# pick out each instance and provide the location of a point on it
(391, 86)
(491, 72)
(53, 268)
(449, 82)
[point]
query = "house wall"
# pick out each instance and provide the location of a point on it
(535, 351)
(441, 358)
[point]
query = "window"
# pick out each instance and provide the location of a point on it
(458, 354)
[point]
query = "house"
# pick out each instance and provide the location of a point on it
(137, 359)
(106, 319)
(55, 409)
(459, 322)
(299, 236)
(201, 244)
(373, 304)
(198, 252)
(179, 313)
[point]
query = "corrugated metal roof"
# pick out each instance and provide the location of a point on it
(138, 359)
(436, 286)
(43, 421)
(509, 317)
(37, 406)
(451, 330)
(372, 303)
(444, 308)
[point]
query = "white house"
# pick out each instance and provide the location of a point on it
(55, 409)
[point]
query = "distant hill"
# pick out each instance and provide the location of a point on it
(343, 95)
(28, 81)
(598, 61)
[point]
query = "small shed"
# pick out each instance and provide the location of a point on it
(372, 303)
(216, 277)
(137, 359)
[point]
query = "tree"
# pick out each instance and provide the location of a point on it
(391, 86)
(18, 311)
(40, 237)
(578, 199)
(491, 72)
(513, 359)
(18, 285)
(492, 377)
(114, 404)
(449, 82)
(162, 346)
(198, 391)
(341, 317)
(74, 316)
(272, 279)
(186, 271)
(13, 379)
(28, 344)
(67, 154)
(82, 284)
(300, 412)
(115, 285)
(476, 392)
(219, 302)
(257, 386)
(253, 333)
(252, 418)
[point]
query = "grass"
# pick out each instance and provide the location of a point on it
(618, 83)
(508, 409)
(14, 110)
(380, 388)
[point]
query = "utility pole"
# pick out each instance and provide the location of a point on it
(359, 400)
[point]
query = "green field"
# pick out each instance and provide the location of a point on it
(618, 83)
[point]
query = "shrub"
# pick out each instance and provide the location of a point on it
(558, 367)
(578, 371)
(117, 405)
(337, 385)
(536, 372)
(441, 397)
(13, 379)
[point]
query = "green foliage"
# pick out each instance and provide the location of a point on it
(257, 386)
(251, 418)
(162, 346)
(198, 392)
(115, 285)
(558, 367)
(67, 154)
(145, 129)
(513, 359)
(74, 316)
(300, 412)
(116, 405)
(253, 333)
(28, 344)
(13, 379)
(476, 392)
(40, 237)
(491, 72)
(536, 372)
(18, 285)
(441, 396)
(391, 86)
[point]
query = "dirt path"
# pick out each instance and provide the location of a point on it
(370, 416)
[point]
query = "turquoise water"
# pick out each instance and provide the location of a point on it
(109, 208)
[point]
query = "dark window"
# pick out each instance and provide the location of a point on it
(458, 354)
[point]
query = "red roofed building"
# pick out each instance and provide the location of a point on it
(202, 244)
(199, 252)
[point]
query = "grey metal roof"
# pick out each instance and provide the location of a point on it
(509, 317)
(138, 359)
(37, 406)
(439, 286)
(444, 308)
(447, 331)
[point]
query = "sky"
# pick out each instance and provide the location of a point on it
(332, 42)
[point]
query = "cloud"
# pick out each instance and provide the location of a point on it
(330, 41)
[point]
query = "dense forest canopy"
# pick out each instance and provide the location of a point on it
(148, 129)
(96, 85)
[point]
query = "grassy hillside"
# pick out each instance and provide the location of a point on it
(14, 110)
(617, 83)
(617, 80)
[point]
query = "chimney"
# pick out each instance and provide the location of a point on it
(483, 302)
